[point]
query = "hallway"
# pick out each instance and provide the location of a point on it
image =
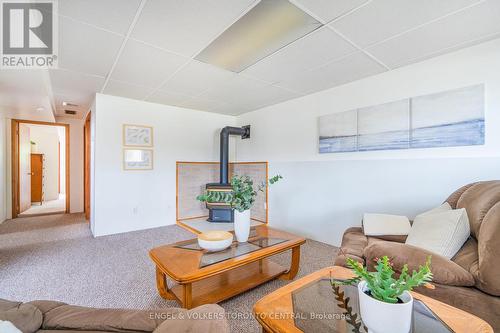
(47, 207)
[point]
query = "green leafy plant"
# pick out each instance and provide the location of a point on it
(382, 284)
(33, 142)
(243, 194)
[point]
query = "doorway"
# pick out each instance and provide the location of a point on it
(40, 168)
(86, 166)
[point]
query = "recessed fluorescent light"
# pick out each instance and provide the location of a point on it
(266, 28)
(68, 104)
(40, 109)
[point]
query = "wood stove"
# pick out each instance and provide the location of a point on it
(220, 211)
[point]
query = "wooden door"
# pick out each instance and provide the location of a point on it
(86, 167)
(36, 178)
(24, 168)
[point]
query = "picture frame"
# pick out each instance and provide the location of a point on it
(137, 159)
(137, 135)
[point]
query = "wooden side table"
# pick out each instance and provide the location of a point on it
(275, 312)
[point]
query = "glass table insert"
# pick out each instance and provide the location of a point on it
(235, 250)
(317, 307)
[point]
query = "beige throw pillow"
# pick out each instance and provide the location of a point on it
(384, 224)
(440, 231)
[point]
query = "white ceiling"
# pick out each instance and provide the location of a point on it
(145, 49)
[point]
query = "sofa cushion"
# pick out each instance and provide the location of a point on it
(70, 317)
(444, 271)
(25, 317)
(46, 306)
(478, 200)
(467, 257)
(487, 270)
(353, 244)
(470, 300)
(442, 232)
(203, 319)
(455, 196)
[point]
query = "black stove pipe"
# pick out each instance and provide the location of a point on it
(244, 132)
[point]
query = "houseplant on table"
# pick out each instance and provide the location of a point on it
(385, 302)
(241, 199)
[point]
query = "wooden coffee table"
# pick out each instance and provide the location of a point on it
(275, 312)
(201, 278)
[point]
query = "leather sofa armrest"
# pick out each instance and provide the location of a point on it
(209, 318)
(444, 270)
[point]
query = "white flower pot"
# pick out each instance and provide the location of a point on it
(242, 225)
(34, 148)
(382, 317)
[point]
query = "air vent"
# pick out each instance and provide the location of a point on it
(70, 112)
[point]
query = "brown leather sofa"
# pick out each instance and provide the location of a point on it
(471, 279)
(58, 317)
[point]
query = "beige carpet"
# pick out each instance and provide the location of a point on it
(55, 257)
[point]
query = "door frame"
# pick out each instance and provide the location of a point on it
(86, 166)
(15, 161)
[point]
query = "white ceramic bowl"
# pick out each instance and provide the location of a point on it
(215, 240)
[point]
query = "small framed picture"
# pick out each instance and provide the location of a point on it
(137, 159)
(137, 136)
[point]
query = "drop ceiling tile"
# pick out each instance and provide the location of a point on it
(477, 23)
(328, 10)
(166, 98)
(186, 26)
(113, 15)
(231, 109)
(124, 89)
(196, 78)
(145, 65)
(314, 50)
(351, 68)
(382, 19)
(69, 83)
(202, 104)
(247, 92)
(85, 49)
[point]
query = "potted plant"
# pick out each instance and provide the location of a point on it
(385, 301)
(241, 200)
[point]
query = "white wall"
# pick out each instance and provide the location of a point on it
(323, 194)
(75, 162)
(47, 142)
(132, 200)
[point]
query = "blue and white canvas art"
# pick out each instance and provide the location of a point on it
(451, 118)
(384, 126)
(338, 132)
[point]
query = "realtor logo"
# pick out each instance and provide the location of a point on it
(29, 34)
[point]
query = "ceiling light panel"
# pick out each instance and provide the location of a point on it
(266, 28)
